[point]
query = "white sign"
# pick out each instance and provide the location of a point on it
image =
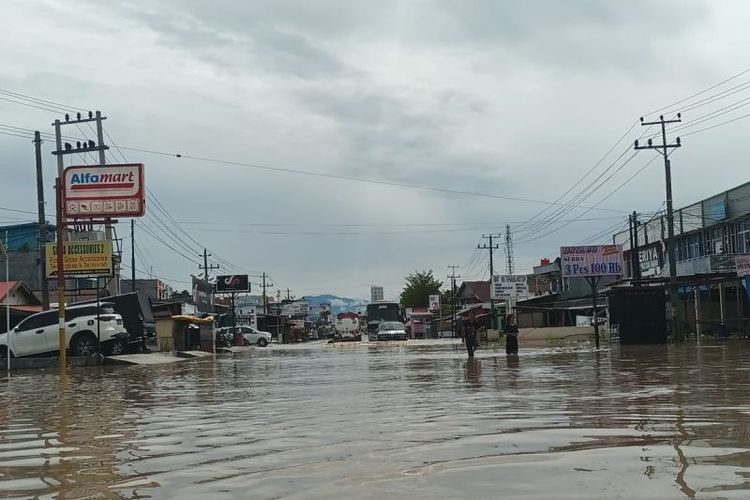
(743, 265)
(296, 308)
(510, 286)
(591, 261)
(376, 293)
(434, 306)
(103, 191)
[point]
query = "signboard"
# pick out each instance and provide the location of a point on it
(248, 300)
(743, 265)
(434, 306)
(510, 286)
(203, 295)
(296, 308)
(103, 191)
(376, 293)
(247, 316)
(232, 283)
(591, 261)
(81, 258)
(649, 261)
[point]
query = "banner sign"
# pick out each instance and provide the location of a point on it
(233, 283)
(81, 258)
(376, 293)
(203, 295)
(103, 191)
(296, 308)
(591, 261)
(511, 286)
(743, 265)
(434, 306)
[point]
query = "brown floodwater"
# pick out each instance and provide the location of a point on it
(386, 421)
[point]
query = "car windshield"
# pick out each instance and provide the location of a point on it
(390, 325)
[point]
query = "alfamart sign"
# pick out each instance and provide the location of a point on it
(103, 191)
(591, 261)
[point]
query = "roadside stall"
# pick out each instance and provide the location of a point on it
(185, 333)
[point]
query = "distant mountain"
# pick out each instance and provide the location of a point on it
(338, 304)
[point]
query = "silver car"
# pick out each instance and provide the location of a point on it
(391, 330)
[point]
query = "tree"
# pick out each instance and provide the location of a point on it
(419, 287)
(182, 295)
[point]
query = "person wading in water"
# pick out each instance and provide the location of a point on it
(511, 336)
(471, 337)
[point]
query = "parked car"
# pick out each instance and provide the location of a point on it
(250, 335)
(391, 330)
(38, 334)
(129, 306)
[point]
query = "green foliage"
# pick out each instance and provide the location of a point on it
(182, 295)
(419, 286)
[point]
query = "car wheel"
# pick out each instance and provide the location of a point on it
(85, 345)
(262, 342)
(117, 348)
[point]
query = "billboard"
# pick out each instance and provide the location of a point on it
(203, 295)
(509, 286)
(434, 306)
(743, 265)
(591, 261)
(376, 293)
(296, 308)
(232, 283)
(81, 258)
(103, 191)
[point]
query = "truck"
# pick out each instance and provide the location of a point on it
(347, 325)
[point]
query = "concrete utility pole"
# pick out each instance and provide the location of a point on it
(453, 276)
(8, 347)
(206, 268)
(61, 223)
(663, 149)
(132, 255)
(510, 264)
(114, 284)
(265, 296)
(492, 249)
(42, 229)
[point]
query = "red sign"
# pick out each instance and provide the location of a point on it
(103, 191)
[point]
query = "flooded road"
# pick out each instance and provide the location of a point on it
(387, 421)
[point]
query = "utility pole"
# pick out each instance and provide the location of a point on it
(492, 249)
(453, 277)
(206, 268)
(114, 284)
(663, 149)
(42, 234)
(132, 255)
(61, 223)
(265, 296)
(632, 248)
(510, 264)
(636, 223)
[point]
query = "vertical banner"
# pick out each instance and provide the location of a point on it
(434, 306)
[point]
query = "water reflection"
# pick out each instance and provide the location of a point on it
(386, 421)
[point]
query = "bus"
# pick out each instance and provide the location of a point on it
(381, 311)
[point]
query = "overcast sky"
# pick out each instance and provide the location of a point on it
(509, 99)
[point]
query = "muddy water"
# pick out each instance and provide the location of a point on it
(386, 422)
